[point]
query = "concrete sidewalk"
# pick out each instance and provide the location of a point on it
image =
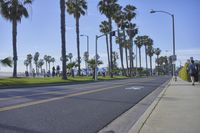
(177, 110)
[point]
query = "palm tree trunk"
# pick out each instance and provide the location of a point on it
(111, 59)
(131, 56)
(78, 45)
(146, 60)
(46, 66)
(151, 64)
(108, 53)
(126, 52)
(62, 21)
(14, 36)
(140, 57)
(121, 56)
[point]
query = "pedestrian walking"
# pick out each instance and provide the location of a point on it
(192, 70)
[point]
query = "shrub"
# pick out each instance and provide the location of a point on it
(183, 74)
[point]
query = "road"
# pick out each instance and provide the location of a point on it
(78, 108)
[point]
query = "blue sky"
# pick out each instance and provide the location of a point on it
(41, 31)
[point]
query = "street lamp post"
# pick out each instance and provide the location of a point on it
(87, 49)
(173, 30)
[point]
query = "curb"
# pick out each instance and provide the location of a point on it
(142, 120)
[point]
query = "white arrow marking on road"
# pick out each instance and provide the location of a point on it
(134, 88)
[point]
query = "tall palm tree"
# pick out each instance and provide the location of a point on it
(40, 64)
(53, 60)
(49, 61)
(104, 28)
(46, 60)
(129, 15)
(109, 8)
(157, 53)
(139, 44)
(29, 59)
(14, 10)
(121, 21)
(63, 40)
(77, 8)
(36, 58)
(131, 33)
(146, 42)
(150, 52)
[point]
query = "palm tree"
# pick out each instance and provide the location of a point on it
(70, 56)
(46, 60)
(26, 63)
(146, 42)
(139, 44)
(63, 41)
(120, 20)
(92, 64)
(36, 58)
(150, 52)
(129, 11)
(14, 10)
(29, 59)
(49, 61)
(104, 28)
(40, 64)
(109, 8)
(131, 33)
(6, 62)
(53, 60)
(77, 8)
(157, 52)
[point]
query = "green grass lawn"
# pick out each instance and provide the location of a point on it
(50, 80)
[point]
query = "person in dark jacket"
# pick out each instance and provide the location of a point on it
(192, 71)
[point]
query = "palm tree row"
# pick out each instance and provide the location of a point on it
(38, 62)
(147, 42)
(123, 18)
(14, 10)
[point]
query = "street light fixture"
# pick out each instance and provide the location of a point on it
(83, 35)
(173, 30)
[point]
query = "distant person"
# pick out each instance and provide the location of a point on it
(192, 70)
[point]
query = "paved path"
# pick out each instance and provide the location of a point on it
(178, 111)
(82, 108)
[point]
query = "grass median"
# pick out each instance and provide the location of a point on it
(50, 80)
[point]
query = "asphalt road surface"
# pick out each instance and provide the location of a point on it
(78, 108)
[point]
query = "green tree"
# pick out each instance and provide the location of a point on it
(129, 11)
(104, 28)
(46, 60)
(53, 60)
(92, 65)
(29, 59)
(109, 8)
(40, 64)
(77, 8)
(36, 58)
(139, 44)
(63, 40)
(150, 53)
(14, 10)
(157, 53)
